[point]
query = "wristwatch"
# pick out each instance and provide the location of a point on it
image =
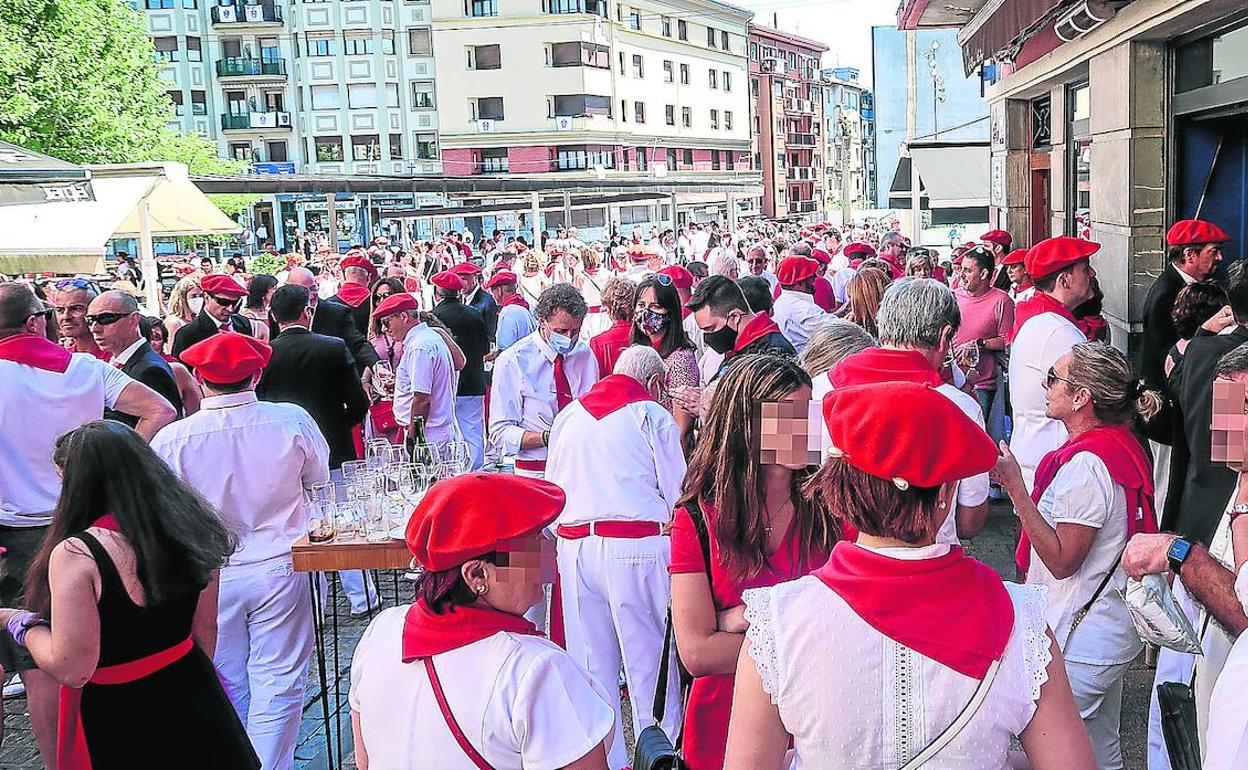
(1180, 549)
(1237, 510)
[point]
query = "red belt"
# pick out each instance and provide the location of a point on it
(623, 529)
(531, 465)
(594, 309)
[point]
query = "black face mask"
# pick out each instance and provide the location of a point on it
(721, 340)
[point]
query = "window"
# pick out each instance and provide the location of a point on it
(727, 80)
(577, 105)
(194, 52)
(621, 62)
(596, 7)
(487, 108)
(481, 8)
(157, 5)
(723, 40)
(667, 26)
(712, 79)
(753, 51)
(322, 46)
(190, 5)
(714, 160)
(485, 57)
(711, 37)
(638, 70)
(387, 42)
(328, 149)
(427, 146)
(624, 110)
(577, 54)
(277, 152)
(176, 98)
(357, 45)
(361, 96)
(642, 158)
(727, 120)
(167, 49)
(758, 125)
(714, 120)
(1079, 163)
(199, 103)
(583, 158)
(686, 117)
(730, 157)
(688, 158)
(240, 151)
(392, 95)
(419, 42)
(669, 114)
(494, 160)
(669, 74)
(684, 74)
(365, 147)
(682, 32)
(1212, 60)
(639, 112)
(273, 101)
(671, 158)
(634, 20)
(326, 98)
(396, 147)
(422, 95)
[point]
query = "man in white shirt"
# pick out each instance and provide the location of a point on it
(756, 258)
(515, 320)
(1044, 331)
(45, 392)
(425, 380)
(252, 460)
(795, 311)
(613, 555)
(699, 240)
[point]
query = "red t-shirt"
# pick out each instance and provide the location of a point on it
(608, 346)
(710, 702)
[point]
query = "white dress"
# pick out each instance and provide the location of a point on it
(854, 698)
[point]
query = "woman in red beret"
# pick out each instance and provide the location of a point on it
(459, 679)
(899, 649)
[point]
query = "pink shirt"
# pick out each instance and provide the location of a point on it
(989, 315)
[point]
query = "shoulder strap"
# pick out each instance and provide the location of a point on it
(959, 724)
(660, 685)
(445, 707)
(103, 562)
(1083, 611)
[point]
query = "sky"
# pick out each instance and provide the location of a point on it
(843, 25)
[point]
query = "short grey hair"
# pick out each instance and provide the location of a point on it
(722, 262)
(641, 362)
(560, 296)
(127, 301)
(913, 312)
(17, 303)
(831, 342)
(1234, 362)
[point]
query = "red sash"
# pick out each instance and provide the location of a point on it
(1127, 464)
(426, 633)
(758, 327)
(1039, 303)
(514, 299)
(353, 294)
(32, 350)
(876, 365)
(612, 393)
(952, 609)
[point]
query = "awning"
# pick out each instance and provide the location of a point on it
(30, 177)
(951, 174)
(1003, 25)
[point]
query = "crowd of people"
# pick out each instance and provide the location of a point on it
(720, 476)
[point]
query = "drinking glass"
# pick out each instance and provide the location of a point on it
(321, 521)
(376, 522)
(348, 522)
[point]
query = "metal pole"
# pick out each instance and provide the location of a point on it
(147, 261)
(732, 212)
(567, 209)
(331, 213)
(675, 225)
(916, 212)
(535, 211)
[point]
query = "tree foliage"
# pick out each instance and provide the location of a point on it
(200, 157)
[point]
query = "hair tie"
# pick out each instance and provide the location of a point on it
(1139, 388)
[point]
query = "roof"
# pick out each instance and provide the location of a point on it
(18, 164)
(264, 184)
(787, 37)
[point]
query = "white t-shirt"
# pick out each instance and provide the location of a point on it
(1040, 342)
(426, 367)
(1084, 493)
(37, 407)
(797, 315)
(1226, 739)
(520, 701)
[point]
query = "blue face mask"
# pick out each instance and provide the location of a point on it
(561, 343)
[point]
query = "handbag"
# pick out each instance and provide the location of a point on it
(1179, 729)
(382, 416)
(654, 749)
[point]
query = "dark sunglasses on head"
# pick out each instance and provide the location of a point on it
(74, 283)
(105, 319)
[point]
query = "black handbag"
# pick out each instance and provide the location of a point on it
(654, 750)
(1177, 701)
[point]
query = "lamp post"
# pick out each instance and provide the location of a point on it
(938, 84)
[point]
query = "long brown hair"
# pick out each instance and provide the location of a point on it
(865, 290)
(724, 469)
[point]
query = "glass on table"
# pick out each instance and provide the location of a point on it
(350, 468)
(376, 522)
(320, 527)
(348, 522)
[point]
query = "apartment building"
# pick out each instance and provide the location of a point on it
(790, 140)
(849, 128)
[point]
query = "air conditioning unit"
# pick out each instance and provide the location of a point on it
(226, 14)
(485, 126)
(283, 119)
(563, 123)
(1085, 17)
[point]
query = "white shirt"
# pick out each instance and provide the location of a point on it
(514, 323)
(768, 276)
(252, 460)
(37, 407)
(1022, 296)
(628, 466)
(521, 702)
(426, 368)
(844, 713)
(840, 280)
(522, 395)
(122, 358)
(1226, 739)
(694, 332)
(698, 241)
(797, 315)
(1040, 342)
(1084, 493)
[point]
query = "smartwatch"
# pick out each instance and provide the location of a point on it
(1179, 550)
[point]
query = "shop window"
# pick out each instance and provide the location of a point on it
(1079, 162)
(1212, 61)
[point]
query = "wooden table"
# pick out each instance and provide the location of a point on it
(349, 554)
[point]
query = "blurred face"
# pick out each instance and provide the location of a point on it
(515, 583)
(1200, 263)
(111, 326)
(973, 277)
(788, 432)
(71, 311)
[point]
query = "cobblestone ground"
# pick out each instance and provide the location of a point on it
(994, 546)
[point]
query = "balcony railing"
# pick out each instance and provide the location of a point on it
(802, 174)
(799, 106)
(241, 67)
(253, 120)
(801, 207)
(800, 140)
(246, 14)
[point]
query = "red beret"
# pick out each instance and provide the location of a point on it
(223, 286)
(1053, 254)
(227, 357)
(467, 516)
(863, 250)
(821, 256)
(447, 280)
(999, 237)
(793, 270)
(395, 303)
(681, 278)
(1190, 231)
(360, 262)
(466, 268)
(918, 437)
(501, 277)
(819, 227)
(1015, 257)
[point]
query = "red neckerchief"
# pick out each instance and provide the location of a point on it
(1040, 302)
(353, 294)
(875, 365)
(956, 610)
(513, 299)
(1092, 326)
(612, 393)
(759, 326)
(897, 270)
(825, 298)
(1127, 464)
(685, 312)
(1024, 286)
(549, 270)
(107, 521)
(426, 633)
(36, 351)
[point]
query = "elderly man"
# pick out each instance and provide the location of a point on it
(613, 555)
(893, 247)
(336, 320)
(476, 297)
(469, 332)
(756, 259)
(424, 383)
(515, 321)
(997, 243)
(795, 311)
(70, 299)
(252, 460)
(222, 299)
(358, 273)
(113, 318)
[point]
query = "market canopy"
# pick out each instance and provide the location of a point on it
(30, 177)
(953, 178)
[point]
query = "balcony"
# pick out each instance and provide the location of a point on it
(247, 15)
(243, 67)
(800, 140)
(251, 121)
(799, 106)
(801, 207)
(802, 174)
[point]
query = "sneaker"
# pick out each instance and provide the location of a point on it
(14, 687)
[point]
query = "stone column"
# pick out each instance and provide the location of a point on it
(1010, 169)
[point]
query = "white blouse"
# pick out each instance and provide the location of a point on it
(521, 702)
(864, 701)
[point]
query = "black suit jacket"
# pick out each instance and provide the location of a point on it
(468, 330)
(203, 327)
(1206, 486)
(146, 366)
(360, 315)
(1159, 334)
(317, 372)
(333, 318)
(483, 302)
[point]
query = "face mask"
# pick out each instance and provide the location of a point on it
(651, 322)
(196, 304)
(561, 343)
(721, 340)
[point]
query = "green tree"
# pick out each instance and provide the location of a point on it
(200, 157)
(79, 80)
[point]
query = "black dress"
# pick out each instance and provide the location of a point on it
(179, 716)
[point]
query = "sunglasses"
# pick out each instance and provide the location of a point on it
(663, 279)
(47, 314)
(105, 319)
(1051, 379)
(75, 283)
(758, 261)
(231, 302)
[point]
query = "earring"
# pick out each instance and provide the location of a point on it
(482, 589)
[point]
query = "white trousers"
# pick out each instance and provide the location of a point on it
(470, 417)
(1098, 696)
(615, 597)
(264, 643)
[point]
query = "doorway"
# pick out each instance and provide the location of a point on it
(1213, 177)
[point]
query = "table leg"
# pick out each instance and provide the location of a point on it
(318, 628)
(333, 604)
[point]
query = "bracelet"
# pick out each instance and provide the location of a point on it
(22, 622)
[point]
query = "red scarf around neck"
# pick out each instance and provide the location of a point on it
(514, 299)
(876, 365)
(426, 633)
(952, 609)
(759, 326)
(1127, 464)
(1040, 302)
(353, 294)
(32, 350)
(612, 393)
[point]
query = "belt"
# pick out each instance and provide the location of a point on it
(630, 530)
(594, 309)
(531, 465)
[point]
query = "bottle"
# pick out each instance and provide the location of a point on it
(418, 431)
